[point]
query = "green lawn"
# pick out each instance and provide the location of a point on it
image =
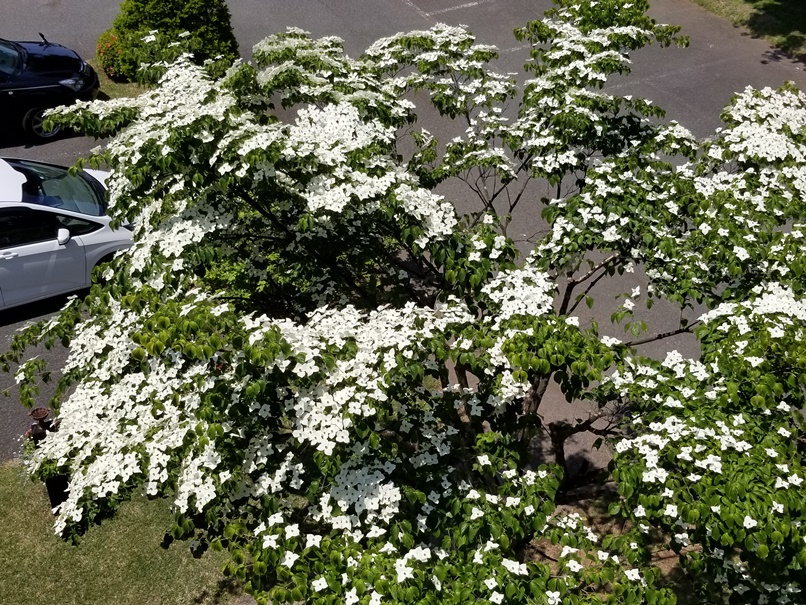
(112, 89)
(119, 561)
(781, 22)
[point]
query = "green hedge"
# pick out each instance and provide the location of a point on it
(129, 42)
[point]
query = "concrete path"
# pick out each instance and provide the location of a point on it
(695, 82)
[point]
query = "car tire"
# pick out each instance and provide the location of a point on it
(32, 123)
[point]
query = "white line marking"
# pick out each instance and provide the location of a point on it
(514, 48)
(459, 7)
(417, 9)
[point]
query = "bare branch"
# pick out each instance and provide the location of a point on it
(661, 336)
(573, 282)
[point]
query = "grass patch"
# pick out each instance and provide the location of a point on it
(113, 90)
(119, 561)
(782, 23)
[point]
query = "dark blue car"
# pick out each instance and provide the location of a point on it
(35, 76)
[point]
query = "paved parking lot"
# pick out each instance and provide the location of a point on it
(692, 84)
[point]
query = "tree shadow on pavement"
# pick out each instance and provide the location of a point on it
(783, 21)
(41, 309)
(12, 135)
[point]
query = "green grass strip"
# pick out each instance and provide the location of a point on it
(119, 561)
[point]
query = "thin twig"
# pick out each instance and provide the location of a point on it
(573, 282)
(661, 336)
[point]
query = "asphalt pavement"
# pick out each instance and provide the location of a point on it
(692, 84)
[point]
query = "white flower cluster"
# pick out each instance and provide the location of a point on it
(331, 133)
(524, 291)
(361, 487)
(771, 303)
(323, 411)
(773, 310)
(761, 123)
(121, 422)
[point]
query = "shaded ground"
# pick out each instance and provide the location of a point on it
(781, 22)
(593, 509)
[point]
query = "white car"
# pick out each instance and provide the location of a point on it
(53, 230)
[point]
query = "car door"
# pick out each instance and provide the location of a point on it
(33, 265)
(10, 68)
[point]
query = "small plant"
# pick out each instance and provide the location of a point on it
(109, 54)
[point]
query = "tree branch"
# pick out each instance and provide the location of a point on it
(661, 336)
(461, 377)
(573, 282)
(529, 419)
(324, 258)
(588, 289)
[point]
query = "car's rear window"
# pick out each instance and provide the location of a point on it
(54, 186)
(10, 59)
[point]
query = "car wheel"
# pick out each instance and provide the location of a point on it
(33, 125)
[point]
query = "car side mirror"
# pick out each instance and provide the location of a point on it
(62, 236)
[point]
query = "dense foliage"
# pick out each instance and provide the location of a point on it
(200, 27)
(343, 382)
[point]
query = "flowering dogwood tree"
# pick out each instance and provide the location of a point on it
(341, 381)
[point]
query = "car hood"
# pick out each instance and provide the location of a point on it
(50, 59)
(11, 183)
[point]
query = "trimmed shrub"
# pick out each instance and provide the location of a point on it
(130, 41)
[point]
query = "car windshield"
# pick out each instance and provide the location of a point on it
(54, 186)
(10, 58)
